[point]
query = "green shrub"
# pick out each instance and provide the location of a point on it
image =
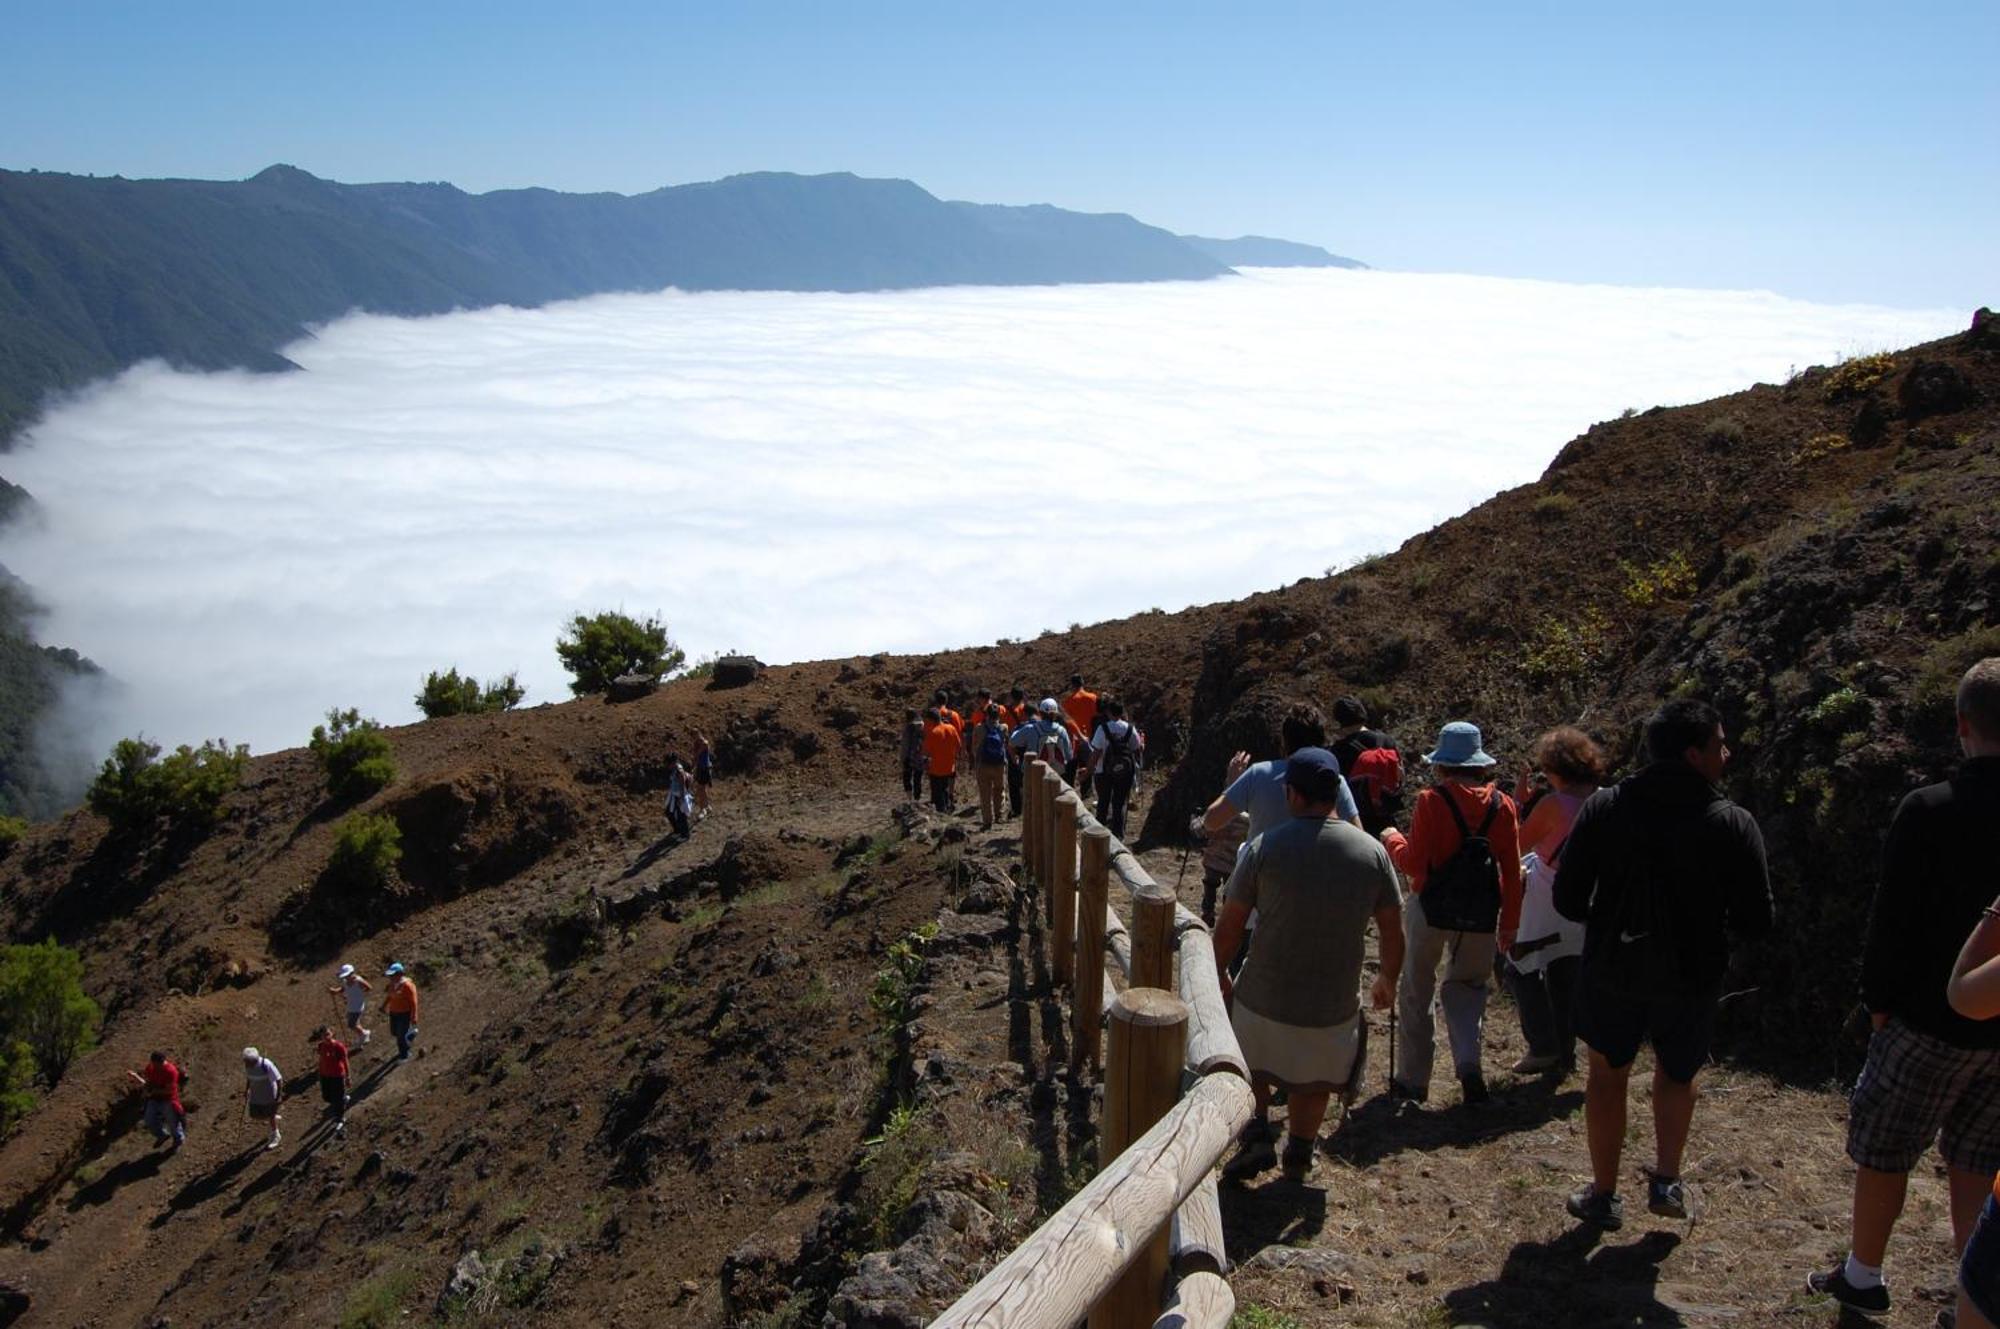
(452, 693)
(1663, 580)
(1553, 507)
(1723, 433)
(366, 849)
(138, 789)
(353, 754)
(44, 1008)
(378, 1303)
(597, 648)
(1841, 711)
(1818, 448)
(17, 1071)
(1853, 377)
(1934, 695)
(11, 831)
(1564, 653)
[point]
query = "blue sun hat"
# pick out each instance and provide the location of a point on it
(396, 969)
(1459, 745)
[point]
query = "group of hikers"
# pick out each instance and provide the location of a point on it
(688, 791)
(161, 1080)
(1606, 909)
(1085, 734)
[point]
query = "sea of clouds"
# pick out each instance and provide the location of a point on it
(806, 476)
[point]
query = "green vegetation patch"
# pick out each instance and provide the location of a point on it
(138, 790)
(453, 693)
(354, 755)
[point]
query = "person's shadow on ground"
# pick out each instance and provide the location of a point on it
(1572, 1282)
(1381, 1128)
(127, 1172)
(1276, 1213)
(204, 1188)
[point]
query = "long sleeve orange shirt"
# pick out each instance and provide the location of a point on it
(1434, 837)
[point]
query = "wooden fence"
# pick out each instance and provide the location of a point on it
(1140, 1245)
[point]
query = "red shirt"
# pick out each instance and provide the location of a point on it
(333, 1059)
(163, 1081)
(941, 746)
(1434, 838)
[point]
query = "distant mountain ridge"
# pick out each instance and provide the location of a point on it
(1261, 251)
(97, 274)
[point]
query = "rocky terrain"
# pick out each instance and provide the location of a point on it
(803, 1064)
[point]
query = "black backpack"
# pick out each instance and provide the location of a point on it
(1121, 755)
(1462, 894)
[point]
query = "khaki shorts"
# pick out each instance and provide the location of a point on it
(1299, 1058)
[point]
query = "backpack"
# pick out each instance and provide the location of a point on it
(1376, 778)
(993, 746)
(1462, 894)
(1051, 745)
(1121, 755)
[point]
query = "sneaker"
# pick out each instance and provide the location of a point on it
(1870, 1301)
(1598, 1208)
(1669, 1197)
(1298, 1158)
(1534, 1065)
(272, 1143)
(1473, 1085)
(1402, 1093)
(364, 1038)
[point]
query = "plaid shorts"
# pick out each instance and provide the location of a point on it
(1916, 1089)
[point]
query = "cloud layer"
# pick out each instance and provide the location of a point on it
(806, 476)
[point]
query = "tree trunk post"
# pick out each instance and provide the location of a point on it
(1087, 996)
(1031, 788)
(1153, 940)
(1062, 936)
(1142, 1078)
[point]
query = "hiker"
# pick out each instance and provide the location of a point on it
(1659, 867)
(704, 774)
(263, 1090)
(1296, 1005)
(941, 700)
(1115, 765)
(680, 802)
(989, 764)
(915, 763)
(941, 751)
(355, 989)
(975, 716)
(1218, 858)
(400, 1003)
(1463, 858)
(1258, 788)
(1369, 761)
(1014, 714)
(1079, 707)
(1044, 736)
(1932, 1074)
(1541, 965)
(1974, 993)
(332, 1055)
(160, 1081)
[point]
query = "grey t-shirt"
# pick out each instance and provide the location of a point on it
(1260, 791)
(264, 1080)
(1316, 882)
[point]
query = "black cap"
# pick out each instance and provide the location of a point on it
(1314, 773)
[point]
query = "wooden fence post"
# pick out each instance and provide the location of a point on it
(1031, 786)
(1153, 939)
(1062, 890)
(1045, 838)
(1087, 996)
(1142, 1079)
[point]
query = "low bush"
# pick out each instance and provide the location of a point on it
(452, 693)
(1660, 582)
(1723, 434)
(597, 648)
(1563, 653)
(11, 831)
(1934, 694)
(354, 755)
(1851, 378)
(44, 1009)
(138, 790)
(366, 849)
(1818, 448)
(1553, 507)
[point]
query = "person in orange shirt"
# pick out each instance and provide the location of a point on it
(942, 701)
(1080, 710)
(941, 745)
(1463, 805)
(399, 1002)
(975, 716)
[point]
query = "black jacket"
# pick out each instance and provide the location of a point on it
(1940, 868)
(1670, 825)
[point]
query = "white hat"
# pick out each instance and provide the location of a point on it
(1048, 706)
(250, 1054)
(346, 971)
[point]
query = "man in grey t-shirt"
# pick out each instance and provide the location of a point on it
(1317, 881)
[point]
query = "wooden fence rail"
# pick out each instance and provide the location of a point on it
(1153, 1207)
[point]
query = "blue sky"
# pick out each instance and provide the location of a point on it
(1831, 151)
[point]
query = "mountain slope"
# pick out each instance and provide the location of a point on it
(98, 274)
(1260, 251)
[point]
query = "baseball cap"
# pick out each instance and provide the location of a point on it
(1048, 706)
(1315, 773)
(392, 971)
(346, 971)
(251, 1054)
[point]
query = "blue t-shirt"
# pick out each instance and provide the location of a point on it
(1260, 791)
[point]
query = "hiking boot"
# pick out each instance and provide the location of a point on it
(1534, 1065)
(1256, 1151)
(1598, 1208)
(1473, 1086)
(1298, 1158)
(1402, 1093)
(1669, 1197)
(1947, 1319)
(1869, 1301)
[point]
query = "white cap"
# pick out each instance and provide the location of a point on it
(346, 971)
(250, 1054)
(1048, 706)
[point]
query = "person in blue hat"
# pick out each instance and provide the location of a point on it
(400, 1003)
(1463, 858)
